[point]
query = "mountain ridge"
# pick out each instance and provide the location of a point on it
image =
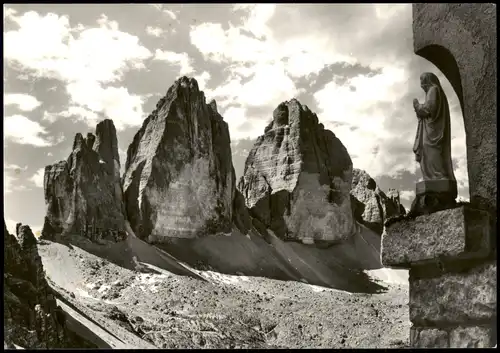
(295, 214)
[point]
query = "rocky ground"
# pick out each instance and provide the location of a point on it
(155, 308)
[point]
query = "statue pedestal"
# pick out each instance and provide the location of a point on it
(433, 196)
(452, 282)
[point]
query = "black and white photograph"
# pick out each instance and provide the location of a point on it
(250, 176)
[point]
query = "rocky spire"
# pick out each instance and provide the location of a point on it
(372, 207)
(83, 194)
(179, 180)
(297, 178)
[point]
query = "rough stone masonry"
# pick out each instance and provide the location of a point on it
(451, 253)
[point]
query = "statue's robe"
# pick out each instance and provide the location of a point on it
(432, 146)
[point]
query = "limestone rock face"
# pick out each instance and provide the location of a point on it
(83, 194)
(32, 318)
(372, 207)
(179, 180)
(297, 178)
(392, 204)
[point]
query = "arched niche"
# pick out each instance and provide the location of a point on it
(444, 61)
(461, 40)
(440, 61)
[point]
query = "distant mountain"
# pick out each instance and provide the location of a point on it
(293, 215)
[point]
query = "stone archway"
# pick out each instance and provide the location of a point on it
(460, 39)
(444, 61)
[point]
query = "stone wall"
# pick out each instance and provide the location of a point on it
(453, 276)
(451, 254)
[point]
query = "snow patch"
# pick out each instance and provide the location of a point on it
(104, 288)
(149, 282)
(389, 275)
(223, 278)
(316, 289)
(145, 278)
(93, 285)
(319, 289)
(83, 293)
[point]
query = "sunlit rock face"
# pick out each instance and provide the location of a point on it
(83, 193)
(298, 177)
(372, 207)
(179, 179)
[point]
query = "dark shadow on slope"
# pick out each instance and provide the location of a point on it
(340, 266)
(129, 253)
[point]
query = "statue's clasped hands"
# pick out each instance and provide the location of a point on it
(416, 105)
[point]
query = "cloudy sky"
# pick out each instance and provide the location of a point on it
(68, 66)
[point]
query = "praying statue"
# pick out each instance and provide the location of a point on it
(432, 149)
(432, 146)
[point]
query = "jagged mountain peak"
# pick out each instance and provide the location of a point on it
(183, 141)
(83, 193)
(294, 159)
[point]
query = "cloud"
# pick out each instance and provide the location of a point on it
(169, 13)
(8, 12)
(268, 86)
(7, 183)
(123, 160)
(37, 178)
(237, 120)
(258, 15)
(85, 59)
(261, 68)
(50, 116)
(269, 55)
(24, 102)
(351, 64)
(240, 150)
(81, 113)
(116, 103)
(19, 129)
(229, 46)
(370, 112)
(11, 173)
(202, 79)
(49, 47)
(154, 31)
(180, 59)
(373, 34)
(407, 195)
(15, 168)
(357, 111)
